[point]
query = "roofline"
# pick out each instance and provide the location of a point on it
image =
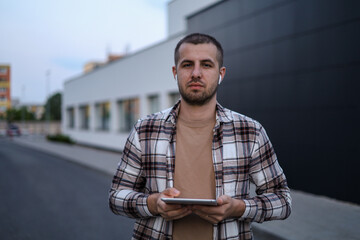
(126, 57)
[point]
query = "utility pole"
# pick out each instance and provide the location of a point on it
(48, 107)
(22, 107)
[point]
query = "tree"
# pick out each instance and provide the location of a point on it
(14, 114)
(54, 104)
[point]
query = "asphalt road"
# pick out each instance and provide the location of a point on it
(43, 196)
(46, 197)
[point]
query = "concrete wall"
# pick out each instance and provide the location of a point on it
(33, 127)
(295, 67)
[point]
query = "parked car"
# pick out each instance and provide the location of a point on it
(13, 130)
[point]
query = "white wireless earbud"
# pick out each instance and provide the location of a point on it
(219, 79)
(176, 80)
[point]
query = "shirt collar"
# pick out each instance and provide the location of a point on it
(223, 115)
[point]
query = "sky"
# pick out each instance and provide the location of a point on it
(47, 42)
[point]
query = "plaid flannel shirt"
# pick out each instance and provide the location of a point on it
(241, 153)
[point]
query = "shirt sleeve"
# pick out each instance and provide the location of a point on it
(127, 196)
(273, 201)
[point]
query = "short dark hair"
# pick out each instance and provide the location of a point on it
(200, 38)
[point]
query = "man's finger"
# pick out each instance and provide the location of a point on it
(176, 214)
(172, 192)
(187, 212)
(170, 207)
(223, 200)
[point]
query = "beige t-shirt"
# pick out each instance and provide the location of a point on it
(194, 174)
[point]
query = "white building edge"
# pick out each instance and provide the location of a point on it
(99, 108)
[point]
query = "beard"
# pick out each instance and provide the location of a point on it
(197, 97)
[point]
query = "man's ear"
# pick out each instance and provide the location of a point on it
(174, 72)
(222, 74)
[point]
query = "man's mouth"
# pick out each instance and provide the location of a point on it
(195, 86)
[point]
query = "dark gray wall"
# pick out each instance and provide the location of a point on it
(295, 67)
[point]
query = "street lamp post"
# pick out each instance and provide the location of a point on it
(23, 107)
(48, 107)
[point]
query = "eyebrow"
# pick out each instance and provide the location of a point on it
(191, 61)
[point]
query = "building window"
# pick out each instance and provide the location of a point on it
(128, 114)
(2, 89)
(154, 103)
(103, 116)
(84, 112)
(3, 70)
(3, 99)
(2, 109)
(70, 117)
(2, 79)
(174, 97)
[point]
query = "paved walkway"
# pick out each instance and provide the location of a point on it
(313, 217)
(102, 160)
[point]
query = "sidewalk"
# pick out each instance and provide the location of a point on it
(102, 160)
(313, 217)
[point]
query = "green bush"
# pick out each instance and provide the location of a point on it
(60, 138)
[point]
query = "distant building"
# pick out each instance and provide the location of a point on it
(15, 102)
(91, 66)
(5, 84)
(37, 109)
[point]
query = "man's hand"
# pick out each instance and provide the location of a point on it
(227, 207)
(167, 211)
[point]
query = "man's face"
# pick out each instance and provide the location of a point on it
(198, 73)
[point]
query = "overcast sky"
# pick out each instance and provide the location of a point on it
(62, 35)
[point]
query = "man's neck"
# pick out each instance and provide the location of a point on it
(198, 113)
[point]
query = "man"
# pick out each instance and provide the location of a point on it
(198, 149)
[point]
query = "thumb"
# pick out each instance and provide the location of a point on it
(223, 200)
(171, 192)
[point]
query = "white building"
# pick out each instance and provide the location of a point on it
(100, 107)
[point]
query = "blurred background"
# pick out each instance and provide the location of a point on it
(83, 72)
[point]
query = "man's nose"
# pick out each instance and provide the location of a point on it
(196, 71)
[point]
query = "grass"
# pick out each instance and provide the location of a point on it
(60, 138)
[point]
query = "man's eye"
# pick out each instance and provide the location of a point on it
(186, 65)
(207, 65)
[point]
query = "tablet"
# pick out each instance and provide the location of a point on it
(193, 201)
